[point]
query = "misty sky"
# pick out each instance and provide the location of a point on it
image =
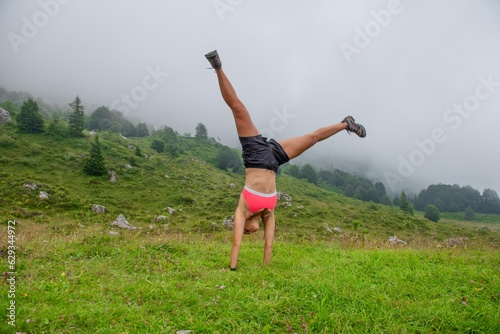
(422, 76)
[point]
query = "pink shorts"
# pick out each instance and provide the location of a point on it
(258, 201)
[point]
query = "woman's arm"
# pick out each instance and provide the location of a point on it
(269, 227)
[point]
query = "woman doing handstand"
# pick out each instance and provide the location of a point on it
(262, 158)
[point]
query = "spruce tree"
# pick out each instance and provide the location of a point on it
(95, 163)
(76, 119)
(201, 132)
(29, 119)
(404, 204)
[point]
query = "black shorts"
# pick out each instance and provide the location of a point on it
(260, 152)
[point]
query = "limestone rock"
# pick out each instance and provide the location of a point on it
(285, 199)
(30, 185)
(98, 208)
(43, 195)
(337, 229)
(452, 242)
(112, 176)
(4, 116)
(122, 222)
(325, 227)
(228, 222)
(393, 240)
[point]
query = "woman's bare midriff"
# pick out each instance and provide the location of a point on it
(261, 180)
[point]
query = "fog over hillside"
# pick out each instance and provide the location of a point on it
(423, 77)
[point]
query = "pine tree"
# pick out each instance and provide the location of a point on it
(29, 119)
(201, 132)
(404, 204)
(142, 130)
(95, 164)
(76, 119)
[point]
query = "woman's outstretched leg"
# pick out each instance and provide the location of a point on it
(298, 145)
(244, 123)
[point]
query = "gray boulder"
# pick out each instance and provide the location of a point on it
(228, 222)
(337, 229)
(112, 176)
(453, 242)
(98, 208)
(122, 222)
(30, 185)
(284, 199)
(4, 116)
(395, 240)
(162, 217)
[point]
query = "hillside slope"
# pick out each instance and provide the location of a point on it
(201, 195)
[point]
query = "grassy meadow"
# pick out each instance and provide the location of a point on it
(76, 273)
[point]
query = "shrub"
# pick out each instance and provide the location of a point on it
(6, 141)
(57, 129)
(432, 213)
(385, 200)
(469, 213)
(138, 151)
(228, 158)
(158, 145)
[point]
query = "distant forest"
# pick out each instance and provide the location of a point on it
(40, 117)
(447, 198)
(453, 198)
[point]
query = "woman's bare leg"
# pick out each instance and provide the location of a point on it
(298, 145)
(244, 123)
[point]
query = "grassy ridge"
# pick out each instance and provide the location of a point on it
(74, 277)
(199, 192)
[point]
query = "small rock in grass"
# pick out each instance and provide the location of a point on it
(122, 222)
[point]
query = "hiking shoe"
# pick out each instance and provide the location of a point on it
(213, 58)
(352, 126)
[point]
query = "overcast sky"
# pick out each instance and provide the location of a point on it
(422, 76)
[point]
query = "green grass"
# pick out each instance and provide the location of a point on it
(75, 279)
